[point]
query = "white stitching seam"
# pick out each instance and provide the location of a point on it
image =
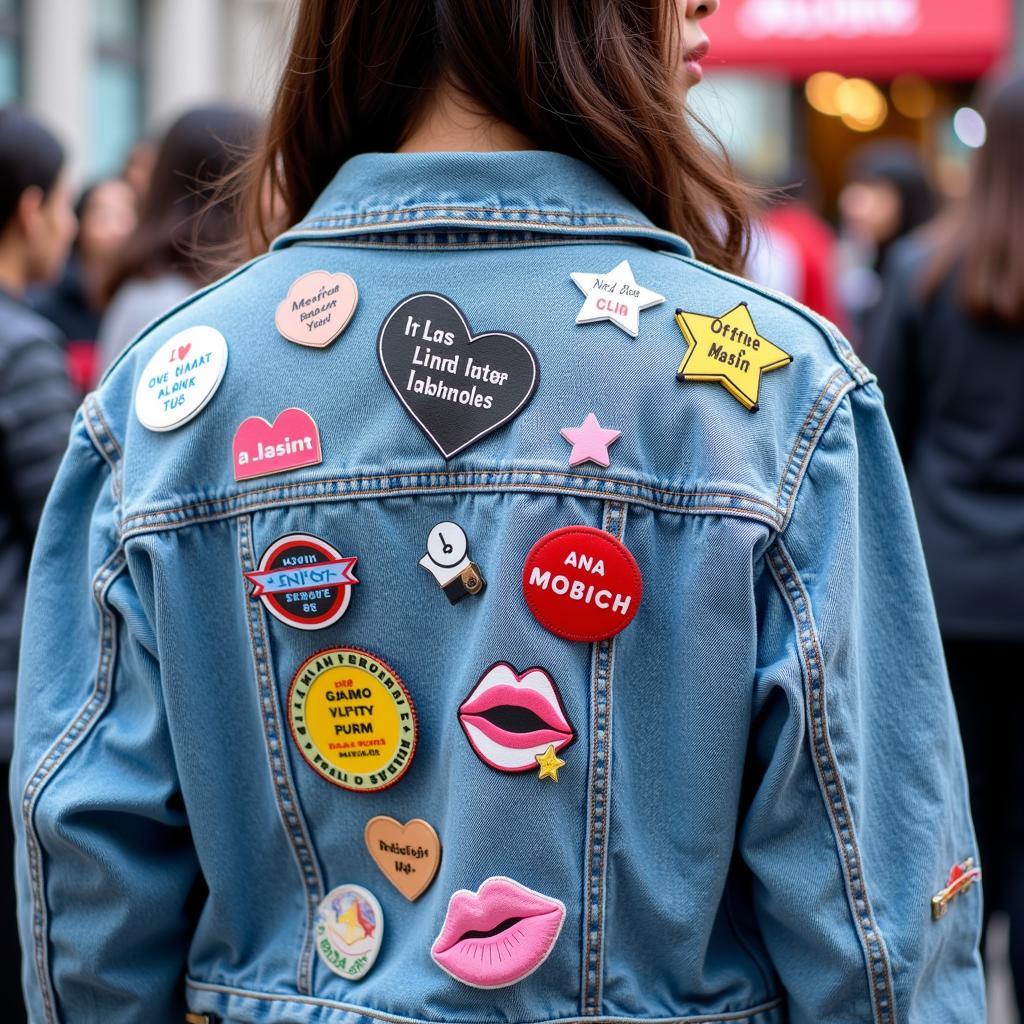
(68, 741)
(830, 782)
(283, 784)
(746, 1016)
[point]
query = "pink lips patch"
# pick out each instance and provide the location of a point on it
(497, 935)
(260, 448)
(510, 718)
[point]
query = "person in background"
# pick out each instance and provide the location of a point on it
(181, 223)
(138, 168)
(107, 216)
(36, 408)
(947, 344)
(794, 249)
(887, 196)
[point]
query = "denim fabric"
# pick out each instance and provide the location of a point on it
(767, 786)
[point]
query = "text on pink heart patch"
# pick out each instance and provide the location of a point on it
(260, 448)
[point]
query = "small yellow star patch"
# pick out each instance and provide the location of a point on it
(728, 349)
(549, 763)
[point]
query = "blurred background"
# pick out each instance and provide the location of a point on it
(864, 116)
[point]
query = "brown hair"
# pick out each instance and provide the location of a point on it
(982, 238)
(185, 223)
(590, 78)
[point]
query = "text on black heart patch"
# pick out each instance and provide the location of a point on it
(457, 386)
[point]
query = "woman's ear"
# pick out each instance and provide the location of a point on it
(28, 213)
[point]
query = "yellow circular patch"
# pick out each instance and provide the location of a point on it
(352, 719)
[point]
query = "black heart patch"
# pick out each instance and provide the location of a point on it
(457, 386)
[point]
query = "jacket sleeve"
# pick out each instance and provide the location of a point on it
(104, 857)
(857, 798)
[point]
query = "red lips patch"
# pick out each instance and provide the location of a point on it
(582, 584)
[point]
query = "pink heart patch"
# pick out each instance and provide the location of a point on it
(260, 448)
(317, 308)
(183, 350)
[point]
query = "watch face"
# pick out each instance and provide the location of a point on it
(446, 545)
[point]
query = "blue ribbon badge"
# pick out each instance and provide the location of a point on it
(282, 581)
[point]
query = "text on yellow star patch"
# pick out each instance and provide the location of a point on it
(728, 349)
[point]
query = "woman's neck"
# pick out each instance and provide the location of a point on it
(451, 122)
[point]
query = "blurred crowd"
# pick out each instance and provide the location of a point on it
(79, 278)
(930, 290)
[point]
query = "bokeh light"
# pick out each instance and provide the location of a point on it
(970, 127)
(913, 96)
(820, 91)
(861, 104)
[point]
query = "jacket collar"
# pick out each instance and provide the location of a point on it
(532, 192)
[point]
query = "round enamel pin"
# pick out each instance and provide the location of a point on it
(582, 584)
(352, 719)
(181, 378)
(349, 930)
(317, 308)
(303, 581)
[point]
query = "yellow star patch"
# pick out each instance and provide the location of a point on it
(549, 763)
(728, 349)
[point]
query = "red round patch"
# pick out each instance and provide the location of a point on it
(582, 584)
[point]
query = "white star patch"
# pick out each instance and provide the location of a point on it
(615, 296)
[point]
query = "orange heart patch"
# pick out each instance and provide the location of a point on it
(409, 854)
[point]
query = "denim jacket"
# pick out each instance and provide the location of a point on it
(693, 760)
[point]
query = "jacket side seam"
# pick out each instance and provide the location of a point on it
(818, 418)
(879, 973)
(72, 736)
(288, 806)
(599, 798)
(729, 1017)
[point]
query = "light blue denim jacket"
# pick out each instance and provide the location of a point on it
(766, 787)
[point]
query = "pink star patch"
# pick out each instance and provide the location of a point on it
(590, 442)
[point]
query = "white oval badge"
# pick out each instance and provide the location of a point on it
(181, 378)
(349, 930)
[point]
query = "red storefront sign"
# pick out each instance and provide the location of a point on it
(875, 38)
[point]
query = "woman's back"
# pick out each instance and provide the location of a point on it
(661, 746)
(952, 388)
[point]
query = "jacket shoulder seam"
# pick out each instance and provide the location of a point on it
(53, 759)
(818, 417)
(831, 786)
(177, 308)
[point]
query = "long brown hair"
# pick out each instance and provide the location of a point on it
(982, 238)
(185, 222)
(590, 78)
